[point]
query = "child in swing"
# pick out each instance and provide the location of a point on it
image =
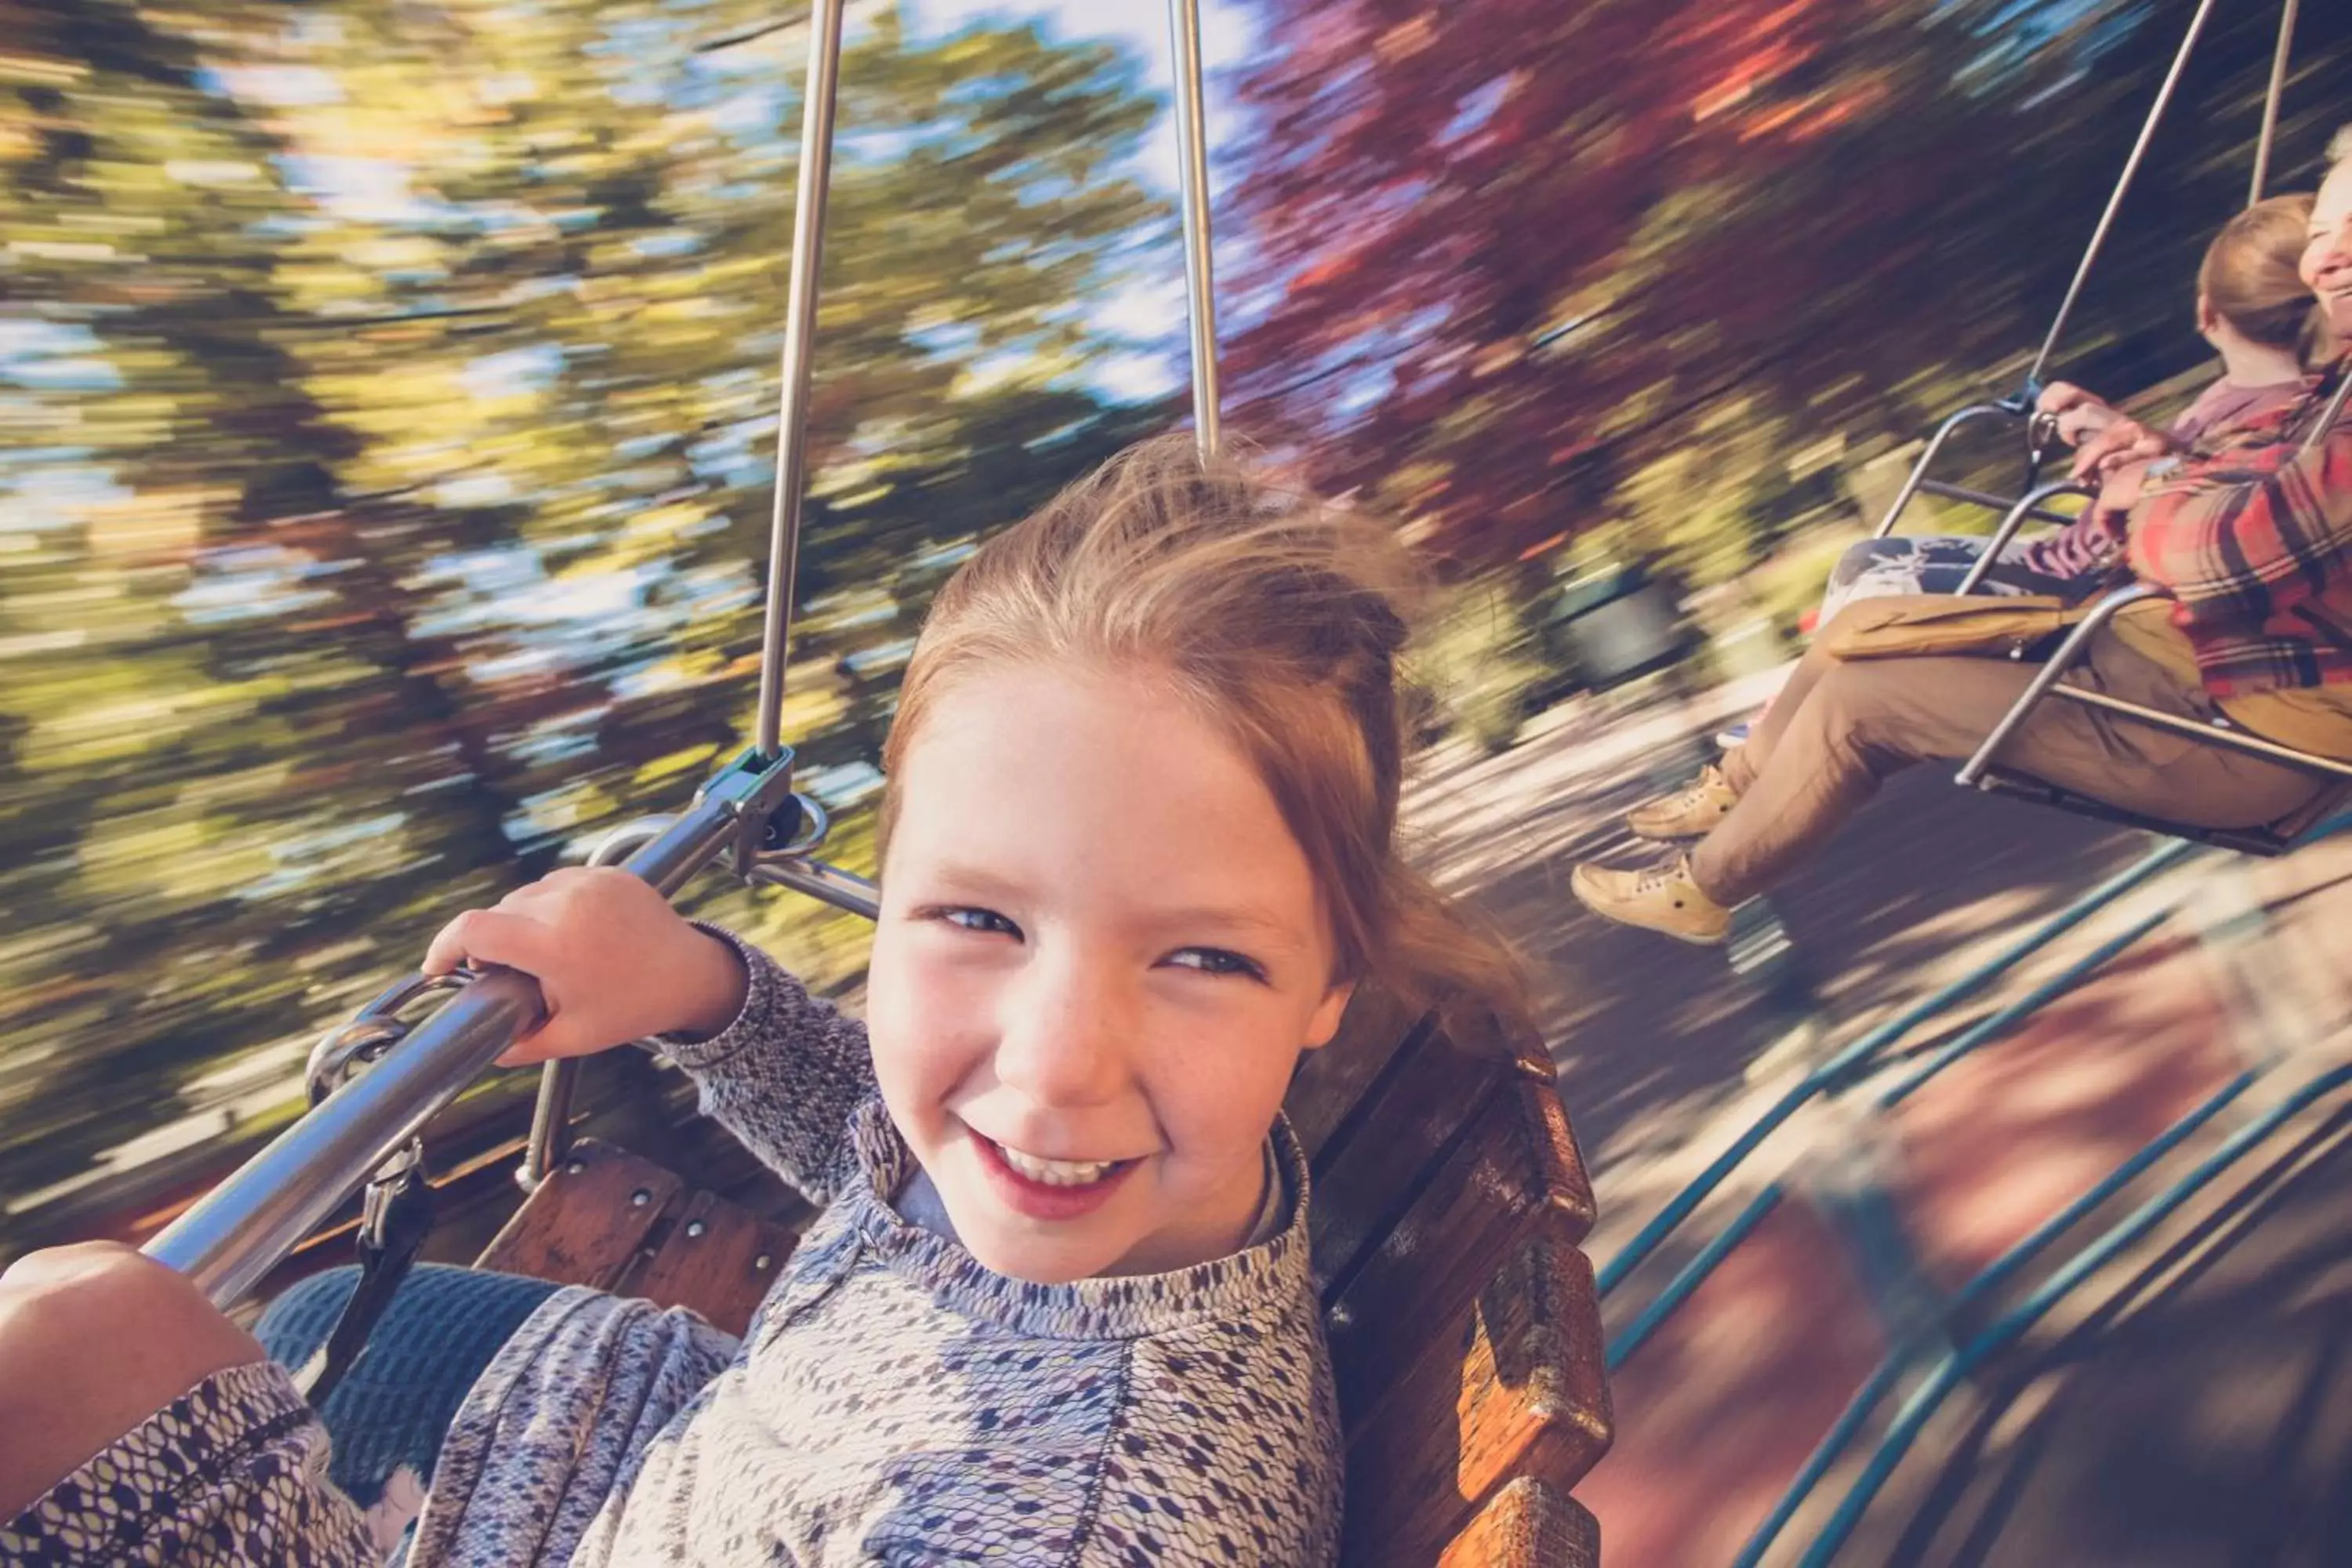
(1139, 846)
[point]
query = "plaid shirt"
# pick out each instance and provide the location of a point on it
(2254, 541)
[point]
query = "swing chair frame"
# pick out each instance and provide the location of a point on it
(1450, 1198)
(2020, 405)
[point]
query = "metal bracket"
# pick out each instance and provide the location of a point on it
(756, 791)
(372, 1030)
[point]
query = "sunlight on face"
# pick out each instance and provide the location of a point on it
(2328, 259)
(1100, 951)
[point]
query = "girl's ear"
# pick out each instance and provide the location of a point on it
(1327, 1012)
(2207, 318)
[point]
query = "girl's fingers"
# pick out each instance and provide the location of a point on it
(503, 936)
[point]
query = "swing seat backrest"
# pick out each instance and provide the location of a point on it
(1449, 1203)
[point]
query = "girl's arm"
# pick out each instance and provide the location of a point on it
(2244, 538)
(782, 1076)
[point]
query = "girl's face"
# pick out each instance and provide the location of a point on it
(1100, 951)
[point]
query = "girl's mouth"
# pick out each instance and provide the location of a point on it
(1049, 1189)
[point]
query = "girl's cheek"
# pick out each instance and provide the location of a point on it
(930, 1029)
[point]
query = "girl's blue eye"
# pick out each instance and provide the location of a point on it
(1216, 960)
(981, 921)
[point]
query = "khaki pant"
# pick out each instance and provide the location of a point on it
(1840, 727)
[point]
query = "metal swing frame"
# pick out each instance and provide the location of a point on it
(363, 1127)
(1981, 769)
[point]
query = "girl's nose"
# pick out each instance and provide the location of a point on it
(1061, 1033)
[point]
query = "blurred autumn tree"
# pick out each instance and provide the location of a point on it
(1525, 267)
(388, 397)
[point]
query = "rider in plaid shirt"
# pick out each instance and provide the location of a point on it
(2254, 541)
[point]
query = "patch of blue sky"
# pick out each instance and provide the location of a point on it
(512, 371)
(23, 335)
(477, 490)
(670, 242)
(55, 356)
(277, 86)
(1144, 311)
(66, 487)
(843, 787)
(249, 583)
(753, 110)
(362, 190)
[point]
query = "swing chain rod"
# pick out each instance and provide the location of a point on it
(2116, 200)
(2270, 98)
(1199, 274)
(796, 363)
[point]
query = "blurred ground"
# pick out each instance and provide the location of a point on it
(2187, 1409)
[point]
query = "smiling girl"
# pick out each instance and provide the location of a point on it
(1139, 848)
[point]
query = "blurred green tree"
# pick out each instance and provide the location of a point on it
(389, 394)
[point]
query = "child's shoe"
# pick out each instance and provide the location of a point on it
(1692, 814)
(1663, 899)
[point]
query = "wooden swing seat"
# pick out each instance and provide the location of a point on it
(1449, 1204)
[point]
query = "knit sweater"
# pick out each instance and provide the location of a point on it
(893, 1401)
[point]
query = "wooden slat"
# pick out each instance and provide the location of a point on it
(1515, 1388)
(718, 1258)
(1372, 1169)
(587, 1221)
(1517, 1160)
(1331, 1081)
(1528, 1525)
(1558, 1156)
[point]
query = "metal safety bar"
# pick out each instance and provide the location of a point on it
(2027, 505)
(1200, 272)
(2116, 200)
(2277, 90)
(1917, 477)
(243, 1227)
(844, 890)
(1989, 501)
(797, 362)
(2046, 683)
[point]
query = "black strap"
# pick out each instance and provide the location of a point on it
(397, 1217)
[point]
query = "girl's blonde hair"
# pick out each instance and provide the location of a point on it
(1279, 618)
(2251, 278)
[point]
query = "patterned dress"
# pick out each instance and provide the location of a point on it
(893, 1401)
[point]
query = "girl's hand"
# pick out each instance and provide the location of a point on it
(2077, 415)
(2121, 489)
(2122, 442)
(613, 961)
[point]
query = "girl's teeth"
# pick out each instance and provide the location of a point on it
(1056, 1173)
